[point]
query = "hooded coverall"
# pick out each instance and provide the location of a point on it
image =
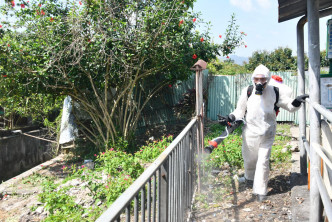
(259, 131)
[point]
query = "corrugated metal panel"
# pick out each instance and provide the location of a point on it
(224, 92)
(160, 108)
(222, 96)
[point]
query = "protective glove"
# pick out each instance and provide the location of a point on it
(226, 120)
(300, 99)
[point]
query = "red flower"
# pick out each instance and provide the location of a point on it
(80, 2)
(8, 45)
(0, 26)
(52, 19)
(39, 5)
(37, 12)
(170, 85)
(194, 56)
(4, 76)
(13, 3)
(42, 12)
(245, 46)
(227, 57)
(22, 6)
(181, 22)
(89, 40)
(95, 154)
(194, 19)
(220, 36)
(163, 23)
(202, 39)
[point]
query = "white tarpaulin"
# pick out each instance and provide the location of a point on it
(68, 129)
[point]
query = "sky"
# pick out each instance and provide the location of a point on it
(259, 20)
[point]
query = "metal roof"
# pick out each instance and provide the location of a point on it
(289, 9)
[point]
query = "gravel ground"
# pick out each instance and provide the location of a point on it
(233, 201)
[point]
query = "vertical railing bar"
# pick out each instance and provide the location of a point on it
(136, 208)
(149, 201)
(143, 204)
(190, 164)
(186, 169)
(177, 183)
(170, 185)
(159, 193)
(173, 185)
(181, 180)
(128, 213)
(154, 198)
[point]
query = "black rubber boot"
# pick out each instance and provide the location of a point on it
(249, 183)
(261, 198)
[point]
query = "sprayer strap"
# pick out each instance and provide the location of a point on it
(276, 90)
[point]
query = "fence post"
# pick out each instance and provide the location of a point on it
(199, 66)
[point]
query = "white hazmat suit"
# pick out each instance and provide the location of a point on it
(259, 131)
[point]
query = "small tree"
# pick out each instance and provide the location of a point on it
(111, 57)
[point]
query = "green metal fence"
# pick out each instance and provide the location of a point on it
(222, 95)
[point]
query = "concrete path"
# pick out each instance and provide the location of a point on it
(299, 193)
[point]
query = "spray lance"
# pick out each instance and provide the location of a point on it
(231, 124)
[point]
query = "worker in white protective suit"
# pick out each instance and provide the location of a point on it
(259, 131)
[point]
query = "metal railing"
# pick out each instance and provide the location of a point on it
(318, 149)
(165, 190)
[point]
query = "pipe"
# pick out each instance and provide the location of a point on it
(314, 84)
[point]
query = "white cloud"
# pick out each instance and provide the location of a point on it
(245, 5)
(264, 3)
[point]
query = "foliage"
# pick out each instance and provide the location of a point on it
(232, 39)
(113, 173)
(111, 57)
(324, 62)
(218, 67)
(280, 59)
(229, 151)
(151, 151)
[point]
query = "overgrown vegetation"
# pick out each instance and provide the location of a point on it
(114, 171)
(111, 57)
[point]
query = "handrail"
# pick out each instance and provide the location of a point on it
(323, 193)
(318, 149)
(123, 202)
(321, 109)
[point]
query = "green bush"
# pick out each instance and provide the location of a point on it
(151, 151)
(114, 172)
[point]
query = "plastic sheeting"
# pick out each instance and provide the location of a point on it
(68, 129)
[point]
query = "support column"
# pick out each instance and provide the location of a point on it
(314, 81)
(301, 91)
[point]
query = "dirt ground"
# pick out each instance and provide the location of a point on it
(221, 198)
(226, 199)
(19, 201)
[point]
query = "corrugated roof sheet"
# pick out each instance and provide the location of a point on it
(289, 9)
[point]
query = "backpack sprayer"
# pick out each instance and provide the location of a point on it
(230, 127)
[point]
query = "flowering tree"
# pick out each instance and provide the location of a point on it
(111, 56)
